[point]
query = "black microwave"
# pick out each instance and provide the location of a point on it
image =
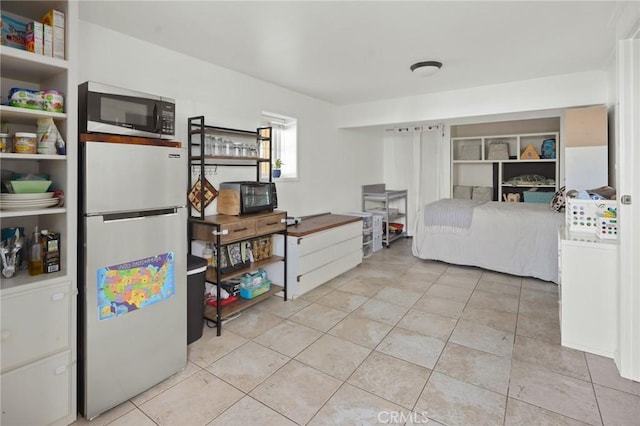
(236, 198)
(109, 109)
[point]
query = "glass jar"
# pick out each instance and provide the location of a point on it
(25, 143)
(5, 143)
(208, 145)
(226, 147)
(207, 253)
(217, 145)
(244, 150)
(236, 149)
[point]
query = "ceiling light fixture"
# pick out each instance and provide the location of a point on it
(427, 68)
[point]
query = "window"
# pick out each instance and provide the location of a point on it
(284, 137)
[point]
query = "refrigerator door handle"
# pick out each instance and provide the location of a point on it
(113, 217)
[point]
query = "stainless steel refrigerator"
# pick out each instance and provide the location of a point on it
(132, 251)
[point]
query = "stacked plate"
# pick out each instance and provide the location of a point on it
(27, 201)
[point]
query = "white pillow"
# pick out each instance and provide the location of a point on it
(462, 192)
(482, 193)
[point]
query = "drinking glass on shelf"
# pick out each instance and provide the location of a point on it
(208, 145)
(217, 145)
(226, 147)
(236, 149)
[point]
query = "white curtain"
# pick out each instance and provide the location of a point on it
(415, 159)
(432, 173)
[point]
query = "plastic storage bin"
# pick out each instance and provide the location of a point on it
(367, 249)
(196, 269)
(251, 292)
(607, 228)
(367, 218)
(583, 215)
(538, 197)
(377, 243)
(377, 225)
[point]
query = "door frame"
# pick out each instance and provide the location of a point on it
(627, 357)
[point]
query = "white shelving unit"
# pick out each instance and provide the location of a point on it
(379, 200)
(39, 313)
(472, 166)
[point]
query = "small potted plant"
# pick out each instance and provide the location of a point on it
(277, 167)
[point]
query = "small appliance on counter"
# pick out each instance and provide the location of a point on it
(237, 198)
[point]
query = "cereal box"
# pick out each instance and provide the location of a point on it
(55, 18)
(47, 47)
(14, 32)
(35, 37)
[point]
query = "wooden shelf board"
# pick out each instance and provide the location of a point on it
(17, 156)
(527, 186)
(211, 272)
(213, 129)
(28, 66)
(14, 113)
(540, 160)
(29, 212)
(239, 305)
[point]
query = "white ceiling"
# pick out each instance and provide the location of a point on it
(352, 52)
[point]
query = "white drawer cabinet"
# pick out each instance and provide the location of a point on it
(319, 250)
(35, 323)
(38, 381)
(588, 277)
(316, 268)
(40, 393)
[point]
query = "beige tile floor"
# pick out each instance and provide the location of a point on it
(397, 340)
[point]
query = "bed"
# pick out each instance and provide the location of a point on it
(514, 238)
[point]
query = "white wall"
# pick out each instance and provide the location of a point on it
(587, 88)
(333, 163)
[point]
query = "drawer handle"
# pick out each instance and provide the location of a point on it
(239, 229)
(60, 370)
(223, 232)
(56, 297)
(272, 223)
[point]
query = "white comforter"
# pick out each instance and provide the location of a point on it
(515, 238)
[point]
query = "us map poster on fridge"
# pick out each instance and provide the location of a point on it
(135, 285)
